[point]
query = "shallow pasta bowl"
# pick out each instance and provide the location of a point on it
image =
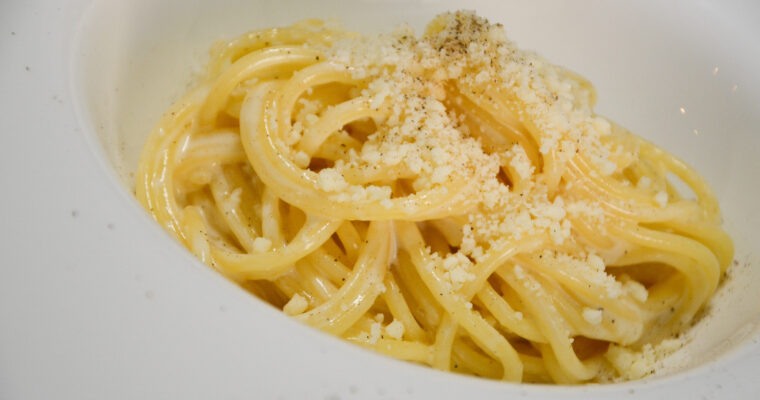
(97, 301)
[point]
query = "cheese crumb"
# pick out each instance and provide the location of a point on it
(375, 331)
(234, 197)
(261, 244)
(637, 290)
(395, 329)
(644, 182)
(330, 180)
(632, 364)
(661, 198)
(296, 305)
(301, 159)
(520, 162)
(592, 316)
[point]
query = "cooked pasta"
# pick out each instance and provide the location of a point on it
(448, 199)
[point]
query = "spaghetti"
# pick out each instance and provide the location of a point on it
(448, 200)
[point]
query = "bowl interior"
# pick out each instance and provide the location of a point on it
(692, 91)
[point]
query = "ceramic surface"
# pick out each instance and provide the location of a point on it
(96, 301)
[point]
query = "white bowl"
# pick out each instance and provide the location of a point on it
(96, 301)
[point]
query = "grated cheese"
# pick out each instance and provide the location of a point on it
(592, 316)
(375, 331)
(296, 305)
(261, 244)
(395, 329)
(661, 198)
(633, 364)
(331, 180)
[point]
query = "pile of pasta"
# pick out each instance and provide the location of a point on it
(448, 199)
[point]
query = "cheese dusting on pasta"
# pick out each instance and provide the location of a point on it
(446, 199)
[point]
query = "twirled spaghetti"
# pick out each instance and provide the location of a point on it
(449, 200)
